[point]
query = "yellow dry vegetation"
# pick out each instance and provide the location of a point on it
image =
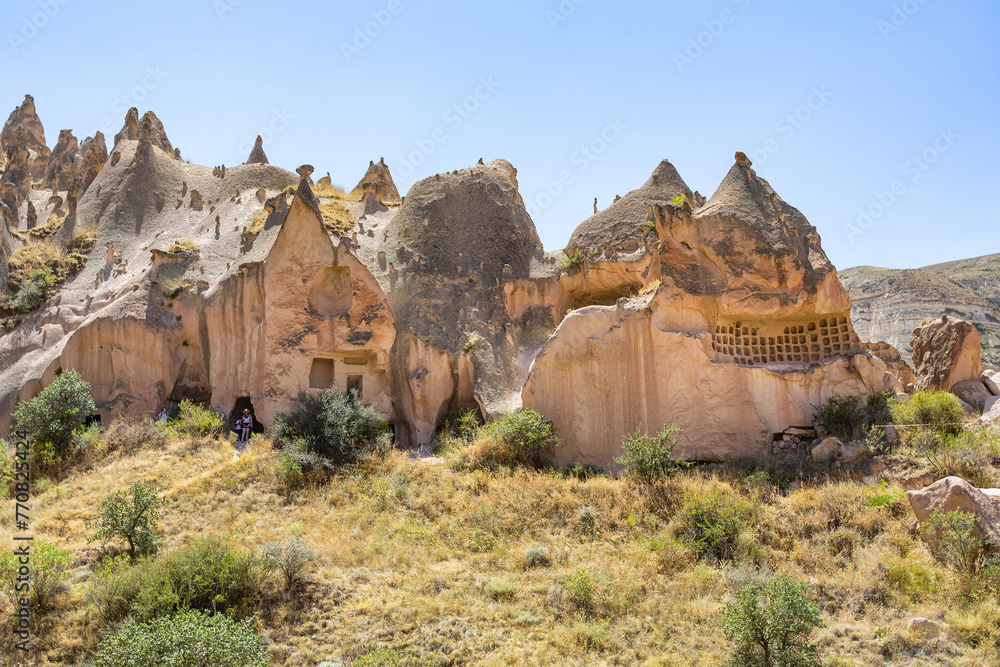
(422, 565)
(183, 245)
(336, 218)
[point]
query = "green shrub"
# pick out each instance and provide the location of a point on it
(851, 417)
(197, 421)
(379, 657)
(770, 625)
(649, 459)
(887, 497)
(206, 576)
(29, 296)
(518, 438)
(580, 589)
(971, 454)
(462, 424)
(89, 439)
(131, 434)
(536, 556)
(951, 539)
(47, 574)
(130, 515)
(574, 258)
(501, 590)
(188, 639)
(53, 415)
(711, 524)
(341, 428)
(939, 410)
(291, 558)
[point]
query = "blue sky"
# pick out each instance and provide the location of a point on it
(877, 118)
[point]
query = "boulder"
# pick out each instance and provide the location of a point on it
(991, 415)
(990, 382)
(953, 494)
(946, 352)
(922, 628)
(973, 392)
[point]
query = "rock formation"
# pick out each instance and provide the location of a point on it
(377, 187)
(18, 171)
(95, 154)
(741, 326)
(257, 155)
(132, 129)
(65, 163)
(945, 352)
(24, 117)
(722, 317)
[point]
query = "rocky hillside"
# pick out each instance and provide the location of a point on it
(890, 303)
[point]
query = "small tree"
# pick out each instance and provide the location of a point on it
(130, 515)
(649, 458)
(53, 415)
(770, 625)
(46, 577)
(291, 558)
(188, 639)
(951, 539)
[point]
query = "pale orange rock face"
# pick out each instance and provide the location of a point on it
(946, 352)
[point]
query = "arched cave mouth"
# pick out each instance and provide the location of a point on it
(244, 403)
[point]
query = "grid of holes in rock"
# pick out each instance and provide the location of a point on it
(750, 344)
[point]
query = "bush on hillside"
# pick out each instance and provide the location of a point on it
(197, 421)
(207, 576)
(649, 458)
(951, 540)
(940, 410)
(770, 625)
(131, 434)
(516, 439)
(291, 558)
(339, 427)
(130, 515)
(711, 525)
(850, 417)
(52, 416)
(188, 639)
(45, 579)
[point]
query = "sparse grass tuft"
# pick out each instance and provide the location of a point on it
(336, 218)
(183, 245)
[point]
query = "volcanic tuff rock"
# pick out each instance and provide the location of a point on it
(741, 327)
(65, 163)
(445, 301)
(889, 303)
(257, 154)
(24, 117)
(954, 494)
(18, 171)
(95, 154)
(945, 352)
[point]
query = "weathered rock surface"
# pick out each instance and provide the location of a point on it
(18, 172)
(257, 155)
(95, 154)
(954, 494)
(739, 295)
(973, 392)
(24, 117)
(65, 163)
(132, 130)
(377, 186)
(922, 628)
(945, 352)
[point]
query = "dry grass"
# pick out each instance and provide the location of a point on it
(331, 191)
(45, 254)
(257, 223)
(336, 218)
(421, 565)
(183, 245)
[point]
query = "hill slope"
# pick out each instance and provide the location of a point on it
(890, 303)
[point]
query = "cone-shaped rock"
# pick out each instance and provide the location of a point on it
(377, 180)
(25, 117)
(257, 155)
(622, 223)
(95, 154)
(64, 163)
(132, 128)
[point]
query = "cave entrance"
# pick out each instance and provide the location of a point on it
(244, 403)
